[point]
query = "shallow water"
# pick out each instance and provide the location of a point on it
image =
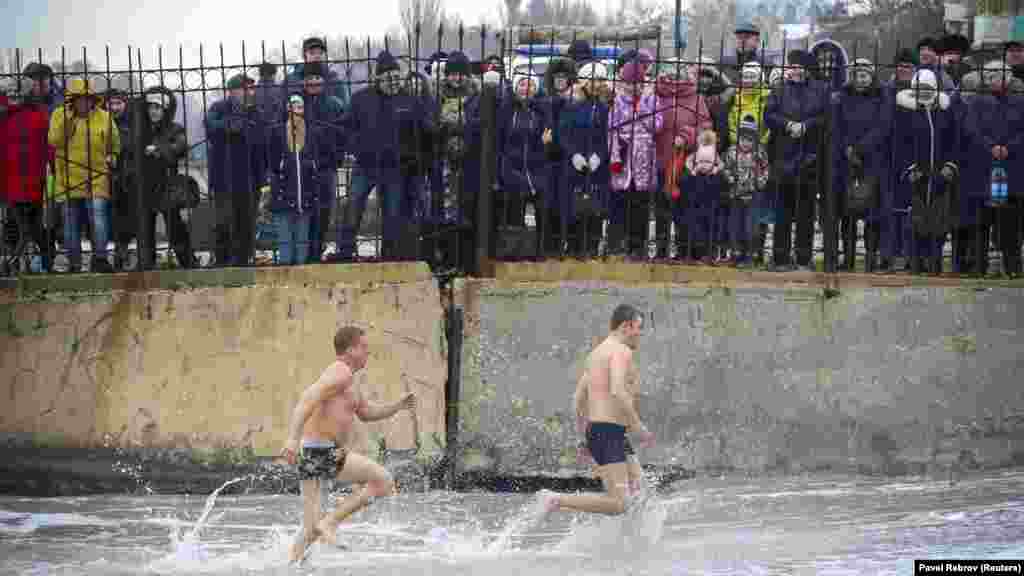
(835, 525)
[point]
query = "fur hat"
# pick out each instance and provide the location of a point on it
(751, 73)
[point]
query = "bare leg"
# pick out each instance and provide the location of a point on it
(615, 478)
(635, 474)
(359, 470)
(310, 515)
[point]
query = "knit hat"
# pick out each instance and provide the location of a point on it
(748, 127)
(751, 73)
(458, 63)
(296, 100)
(239, 81)
(385, 63)
(635, 67)
(156, 98)
(313, 42)
(905, 56)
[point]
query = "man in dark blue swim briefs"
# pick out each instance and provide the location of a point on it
(606, 412)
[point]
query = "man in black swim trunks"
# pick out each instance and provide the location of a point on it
(606, 413)
(322, 421)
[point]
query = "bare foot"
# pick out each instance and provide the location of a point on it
(298, 549)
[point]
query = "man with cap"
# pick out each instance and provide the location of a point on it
(748, 49)
(315, 50)
(380, 120)
(237, 167)
(1014, 57)
(952, 48)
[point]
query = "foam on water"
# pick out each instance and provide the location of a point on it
(27, 523)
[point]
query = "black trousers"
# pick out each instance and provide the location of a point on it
(628, 222)
(236, 227)
(848, 241)
(797, 205)
(177, 236)
(1006, 229)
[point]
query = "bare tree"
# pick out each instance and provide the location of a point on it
(878, 29)
(427, 14)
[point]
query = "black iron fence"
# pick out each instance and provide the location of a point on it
(532, 143)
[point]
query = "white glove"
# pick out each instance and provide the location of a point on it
(595, 162)
(796, 129)
(151, 150)
(947, 173)
(578, 162)
(184, 213)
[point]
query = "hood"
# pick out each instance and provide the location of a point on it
(79, 87)
(558, 66)
(905, 99)
(170, 102)
(827, 52)
(386, 62)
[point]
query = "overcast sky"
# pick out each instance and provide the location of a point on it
(49, 24)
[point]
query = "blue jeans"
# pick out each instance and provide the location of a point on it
(391, 195)
(292, 236)
(98, 210)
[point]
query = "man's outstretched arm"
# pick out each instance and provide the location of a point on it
(368, 412)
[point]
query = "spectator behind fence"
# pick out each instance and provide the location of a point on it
(585, 147)
(633, 123)
(236, 138)
(125, 195)
(297, 150)
(24, 153)
(794, 113)
(314, 51)
(87, 143)
(520, 123)
(685, 115)
(323, 112)
(861, 119)
(925, 149)
(384, 128)
(749, 98)
(993, 154)
(952, 48)
(418, 87)
(45, 88)
(164, 190)
(557, 207)
(904, 64)
(746, 171)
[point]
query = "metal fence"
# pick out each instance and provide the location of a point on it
(449, 175)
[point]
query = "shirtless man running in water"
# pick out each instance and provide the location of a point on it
(605, 412)
(322, 421)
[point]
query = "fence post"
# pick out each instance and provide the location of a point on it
(488, 165)
(453, 330)
(829, 216)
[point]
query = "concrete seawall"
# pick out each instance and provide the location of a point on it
(751, 372)
(210, 360)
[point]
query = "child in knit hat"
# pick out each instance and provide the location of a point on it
(746, 175)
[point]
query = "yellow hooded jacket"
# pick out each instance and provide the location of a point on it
(746, 101)
(82, 145)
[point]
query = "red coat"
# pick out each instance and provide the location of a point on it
(24, 152)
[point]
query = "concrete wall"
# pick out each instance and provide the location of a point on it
(207, 359)
(754, 372)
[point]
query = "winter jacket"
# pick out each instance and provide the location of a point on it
(802, 102)
(383, 131)
(746, 173)
(991, 120)
(24, 151)
(861, 120)
(522, 162)
(237, 157)
(684, 114)
(634, 122)
(171, 147)
(925, 140)
(744, 102)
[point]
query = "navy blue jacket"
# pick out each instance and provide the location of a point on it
(921, 138)
(795, 102)
(862, 120)
(520, 148)
(993, 120)
(379, 130)
(237, 139)
(584, 131)
(318, 157)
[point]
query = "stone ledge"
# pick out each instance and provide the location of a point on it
(617, 270)
(314, 274)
